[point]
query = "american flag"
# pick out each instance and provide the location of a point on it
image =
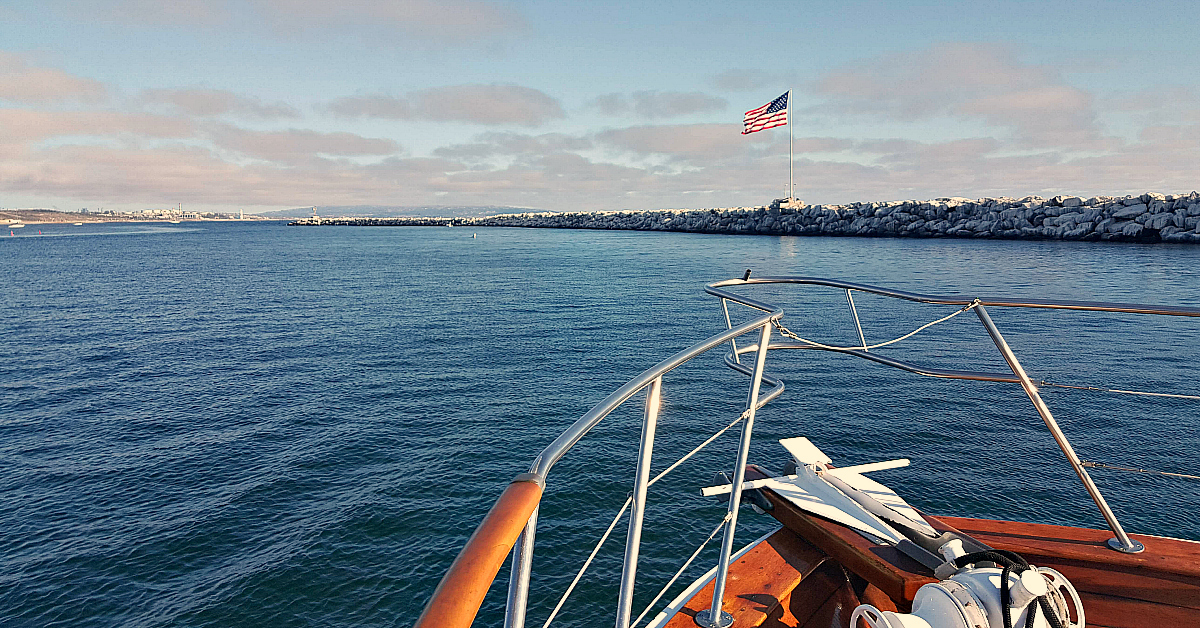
(768, 116)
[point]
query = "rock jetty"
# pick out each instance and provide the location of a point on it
(1150, 217)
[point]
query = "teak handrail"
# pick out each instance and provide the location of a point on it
(461, 591)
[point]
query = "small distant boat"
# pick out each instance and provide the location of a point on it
(174, 222)
(474, 235)
(16, 225)
(79, 224)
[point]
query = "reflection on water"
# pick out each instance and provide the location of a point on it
(246, 424)
(65, 230)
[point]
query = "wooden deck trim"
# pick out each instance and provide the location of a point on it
(758, 581)
(1159, 587)
(1166, 574)
(1162, 555)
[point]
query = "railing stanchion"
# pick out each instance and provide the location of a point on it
(518, 581)
(1122, 543)
(638, 511)
(857, 324)
(715, 617)
(729, 325)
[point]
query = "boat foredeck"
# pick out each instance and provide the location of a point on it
(1158, 587)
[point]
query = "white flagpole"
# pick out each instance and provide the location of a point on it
(791, 160)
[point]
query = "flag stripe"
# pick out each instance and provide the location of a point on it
(764, 126)
(768, 116)
(781, 118)
(774, 116)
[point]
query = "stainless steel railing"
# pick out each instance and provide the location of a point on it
(1122, 542)
(651, 381)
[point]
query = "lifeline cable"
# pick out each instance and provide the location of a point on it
(791, 334)
(682, 569)
(1043, 383)
(1101, 465)
(563, 600)
(629, 500)
(1118, 390)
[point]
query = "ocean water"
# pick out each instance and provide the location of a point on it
(246, 424)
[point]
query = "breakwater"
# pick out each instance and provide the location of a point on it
(1149, 217)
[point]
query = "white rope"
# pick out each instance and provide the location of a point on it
(1118, 390)
(790, 334)
(686, 564)
(697, 449)
(1101, 465)
(587, 563)
(628, 501)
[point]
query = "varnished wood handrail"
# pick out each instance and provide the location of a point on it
(461, 591)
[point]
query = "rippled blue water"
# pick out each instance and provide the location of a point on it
(254, 425)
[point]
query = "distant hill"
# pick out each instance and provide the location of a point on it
(387, 211)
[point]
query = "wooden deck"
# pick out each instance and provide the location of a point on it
(1159, 587)
(813, 572)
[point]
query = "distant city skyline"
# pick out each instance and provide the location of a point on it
(271, 104)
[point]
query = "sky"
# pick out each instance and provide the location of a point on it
(268, 104)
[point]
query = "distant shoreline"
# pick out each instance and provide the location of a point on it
(1145, 218)
(48, 217)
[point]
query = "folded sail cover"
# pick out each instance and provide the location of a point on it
(768, 116)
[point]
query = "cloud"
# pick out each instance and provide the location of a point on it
(1155, 99)
(441, 20)
(456, 19)
(500, 143)
(1163, 158)
(207, 103)
(1163, 105)
(192, 13)
(746, 80)
(968, 81)
(1172, 137)
(118, 175)
(494, 104)
(1052, 115)
(923, 83)
(295, 144)
(24, 125)
(654, 104)
(684, 141)
(19, 82)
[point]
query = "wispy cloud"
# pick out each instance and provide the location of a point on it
(456, 19)
(684, 141)
(25, 125)
(972, 81)
(295, 144)
(207, 103)
(193, 13)
(1021, 128)
(441, 20)
(495, 104)
(654, 104)
(499, 143)
(21, 82)
(746, 80)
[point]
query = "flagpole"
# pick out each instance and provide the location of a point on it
(791, 159)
